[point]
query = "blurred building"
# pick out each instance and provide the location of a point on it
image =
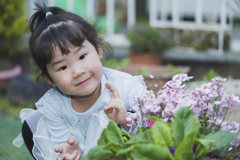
(115, 16)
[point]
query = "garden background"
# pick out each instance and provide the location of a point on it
(195, 49)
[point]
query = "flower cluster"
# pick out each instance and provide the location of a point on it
(209, 103)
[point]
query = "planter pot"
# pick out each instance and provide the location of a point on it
(6, 76)
(145, 58)
(161, 73)
(24, 90)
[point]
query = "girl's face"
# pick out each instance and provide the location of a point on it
(78, 73)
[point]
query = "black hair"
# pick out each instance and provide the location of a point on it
(60, 29)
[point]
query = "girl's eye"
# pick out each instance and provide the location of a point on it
(82, 56)
(63, 68)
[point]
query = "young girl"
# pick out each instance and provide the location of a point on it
(71, 116)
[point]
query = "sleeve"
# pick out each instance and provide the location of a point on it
(58, 129)
(134, 89)
(43, 144)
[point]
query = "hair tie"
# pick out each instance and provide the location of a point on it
(48, 13)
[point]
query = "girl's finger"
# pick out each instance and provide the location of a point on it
(108, 108)
(61, 156)
(114, 111)
(58, 149)
(78, 157)
(70, 141)
(73, 156)
(112, 89)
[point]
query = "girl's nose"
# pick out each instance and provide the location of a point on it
(78, 71)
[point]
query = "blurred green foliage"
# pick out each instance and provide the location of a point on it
(173, 69)
(9, 108)
(114, 63)
(13, 26)
(209, 75)
(145, 38)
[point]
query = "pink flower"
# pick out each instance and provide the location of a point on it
(184, 77)
(168, 84)
(236, 142)
(205, 88)
(155, 109)
(176, 77)
(217, 102)
(175, 85)
(151, 76)
(210, 100)
(150, 124)
(163, 97)
(218, 122)
(115, 158)
(235, 128)
(226, 126)
(235, 124)
(136, 107)
(218, 79)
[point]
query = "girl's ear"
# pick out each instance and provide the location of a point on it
(100, 52)
(47, 79)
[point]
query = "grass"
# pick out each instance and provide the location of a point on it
(10, 127)
(12, 109)
(9, 130)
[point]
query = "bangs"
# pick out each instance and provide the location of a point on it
(62, 36)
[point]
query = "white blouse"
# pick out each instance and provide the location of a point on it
(61, 121)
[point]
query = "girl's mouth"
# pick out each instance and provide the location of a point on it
(84, 82)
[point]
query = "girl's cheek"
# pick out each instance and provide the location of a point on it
(97, 65)
(61, 81)
(64, 82)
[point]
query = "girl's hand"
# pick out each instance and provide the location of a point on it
(116, 108)
(70, 150)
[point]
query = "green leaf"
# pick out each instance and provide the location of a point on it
(143, 137)
(150, 151)
(221, 139)
(115, 133)
(161, 134)
(103, 139)
(126, 133)
(99, 153)
(152, 118)
(111, 134)
(140, 130)
(124, 151)
(185, 149)
(114, 147)
(184, 124)
(203, 146)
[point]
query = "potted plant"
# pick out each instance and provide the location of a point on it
(13, 27)
(174, 125)
(147, 44)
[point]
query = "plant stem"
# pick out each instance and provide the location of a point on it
(140, 105)
(225, 113)
(211, 128)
